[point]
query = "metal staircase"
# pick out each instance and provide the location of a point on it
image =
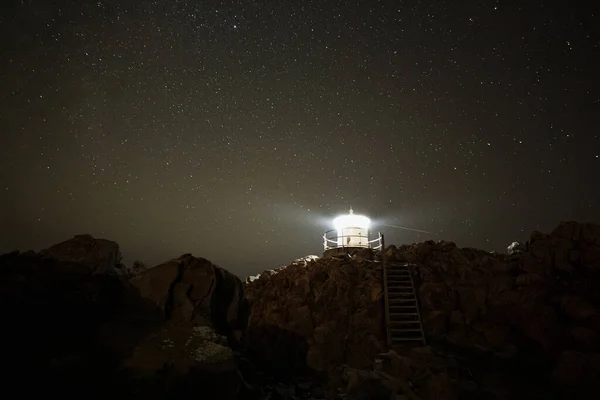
(402, 317)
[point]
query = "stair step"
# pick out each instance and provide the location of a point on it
(408, 336)
(402, 315)
(408, 339)
(416, 334)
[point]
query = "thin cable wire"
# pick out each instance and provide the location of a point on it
(404, 227)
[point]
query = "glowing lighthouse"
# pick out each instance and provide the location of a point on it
(351, 232)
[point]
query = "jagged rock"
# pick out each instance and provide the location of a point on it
(435, 323)
(440, 386)
(137, 268)
(329, 307)
(528, 279)
(366, 385)
(196, 357)
(363, 254)
(191, 289)
(51, 312)
(570, 368)
(590, 257)
(83, 329)
(585, 338)
(530, 264)
(539, 300)
(515, 248)
(99, 256)
(437, 296)
(577, 307)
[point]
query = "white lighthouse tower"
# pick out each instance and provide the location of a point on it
(351, 232)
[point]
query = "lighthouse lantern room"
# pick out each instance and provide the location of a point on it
(351, 232)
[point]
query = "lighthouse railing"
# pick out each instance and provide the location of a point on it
(331, 240)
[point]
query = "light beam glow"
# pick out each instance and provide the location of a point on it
(351, 221)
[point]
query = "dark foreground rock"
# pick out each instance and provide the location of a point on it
(74, 327)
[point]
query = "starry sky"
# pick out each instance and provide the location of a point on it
(236, 130)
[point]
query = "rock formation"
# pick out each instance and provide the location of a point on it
(76, 325)
(98, 256)
(536, 310)
(320, 313)
(204, 312)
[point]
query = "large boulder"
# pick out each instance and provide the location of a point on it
(82, 328)
(191, 289)
(98, 256)
(197, 314)
(204, 313)
(52, 310)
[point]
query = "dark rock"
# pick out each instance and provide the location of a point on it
(76, 324)
(327, 311)
(98, 256)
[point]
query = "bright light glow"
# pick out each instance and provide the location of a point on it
(351, 221)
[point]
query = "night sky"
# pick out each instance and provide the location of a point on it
(236, 130)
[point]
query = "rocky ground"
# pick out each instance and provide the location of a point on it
(526, 325)
(78, 323)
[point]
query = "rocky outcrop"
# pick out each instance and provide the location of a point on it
(318, 313)
(193, 290)
(51, 312)
(77, 326)
(204, 312)
(542, 305)
(98, 256)
(537, 309)
(506, 303)
(515, 248)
